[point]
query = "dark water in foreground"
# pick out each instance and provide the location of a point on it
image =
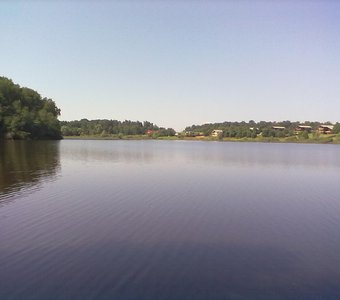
(169, 220)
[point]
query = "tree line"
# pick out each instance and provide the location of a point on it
(252, 129)
(25, 114)
(106, 128)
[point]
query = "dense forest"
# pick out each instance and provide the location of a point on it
(252, 129)
(24, 114)
(106, 128)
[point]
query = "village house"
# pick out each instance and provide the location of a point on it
(302, 128)
(325, 129)
(217, 133)
(151, 132)
(189, 133)
(278, 127)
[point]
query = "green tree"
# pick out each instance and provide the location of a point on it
(304, 135)
(336, 128)
(25, 114)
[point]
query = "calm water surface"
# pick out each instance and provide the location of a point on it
(149, 220)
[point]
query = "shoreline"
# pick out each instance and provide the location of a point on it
(332, 139)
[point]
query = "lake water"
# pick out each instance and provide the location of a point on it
(160, 220)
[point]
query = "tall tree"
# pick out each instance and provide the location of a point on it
(25, 114)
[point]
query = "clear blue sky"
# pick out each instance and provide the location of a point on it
(177, 63)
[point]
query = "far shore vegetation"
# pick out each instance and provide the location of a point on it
(278, 132)
(25, 114)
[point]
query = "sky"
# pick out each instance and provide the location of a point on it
(177, 63)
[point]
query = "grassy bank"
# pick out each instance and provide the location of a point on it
(322, 139)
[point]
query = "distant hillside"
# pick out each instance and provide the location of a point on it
(24, 114)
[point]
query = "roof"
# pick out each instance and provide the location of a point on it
(305, 126)
(327, 126)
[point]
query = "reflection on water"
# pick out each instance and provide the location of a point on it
(223, 154)
(170, 220)
(24, 165)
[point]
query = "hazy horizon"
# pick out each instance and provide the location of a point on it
(177, 64)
